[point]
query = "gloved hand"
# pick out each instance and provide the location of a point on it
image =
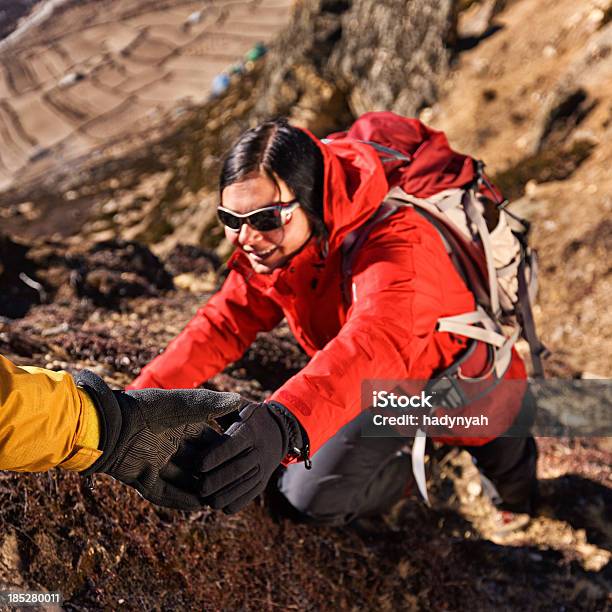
(236, 468)
(144, 433)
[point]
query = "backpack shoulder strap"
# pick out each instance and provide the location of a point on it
(355, 239)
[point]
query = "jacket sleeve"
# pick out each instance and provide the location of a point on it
(45, 421)
(220, 333)
(402, 277)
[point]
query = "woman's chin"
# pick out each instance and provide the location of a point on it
(265, 266)
(260, 268)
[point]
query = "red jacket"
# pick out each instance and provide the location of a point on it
(404, 281)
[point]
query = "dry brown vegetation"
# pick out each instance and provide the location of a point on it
(526, 86)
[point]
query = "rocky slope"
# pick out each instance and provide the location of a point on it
(523, 84)
(534, 100)
(111, 548)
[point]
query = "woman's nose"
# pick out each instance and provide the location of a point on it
(247, 234)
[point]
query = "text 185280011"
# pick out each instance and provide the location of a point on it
(29, 598)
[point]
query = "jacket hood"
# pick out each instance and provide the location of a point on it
(354, 185)
(356, 182)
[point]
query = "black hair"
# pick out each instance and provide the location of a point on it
(277, 148)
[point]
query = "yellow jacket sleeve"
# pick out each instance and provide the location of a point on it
(45, 421)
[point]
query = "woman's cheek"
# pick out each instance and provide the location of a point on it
(232, 237)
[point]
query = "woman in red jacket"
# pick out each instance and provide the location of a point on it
(288, 202)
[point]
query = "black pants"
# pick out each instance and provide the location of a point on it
(353, 476)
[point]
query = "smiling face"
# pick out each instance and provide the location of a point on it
(266, 250)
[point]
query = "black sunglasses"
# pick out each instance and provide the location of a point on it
(264, 219)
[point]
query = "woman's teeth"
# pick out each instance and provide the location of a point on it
(262, 254)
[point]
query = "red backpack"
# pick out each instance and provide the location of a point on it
(487, 243)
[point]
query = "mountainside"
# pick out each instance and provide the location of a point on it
(534, 100)
(104, 261)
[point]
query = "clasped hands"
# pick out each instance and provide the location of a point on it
(163, 444)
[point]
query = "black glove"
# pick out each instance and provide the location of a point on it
(143, 431)
(237, 467)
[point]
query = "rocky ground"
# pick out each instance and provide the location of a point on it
(527, 89)
(111, 549)
(534, 100)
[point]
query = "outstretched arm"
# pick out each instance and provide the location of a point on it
(220, 333)
(404, 281)
(48, 419)
(45, 421)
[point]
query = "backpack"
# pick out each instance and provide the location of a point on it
(487, 243)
